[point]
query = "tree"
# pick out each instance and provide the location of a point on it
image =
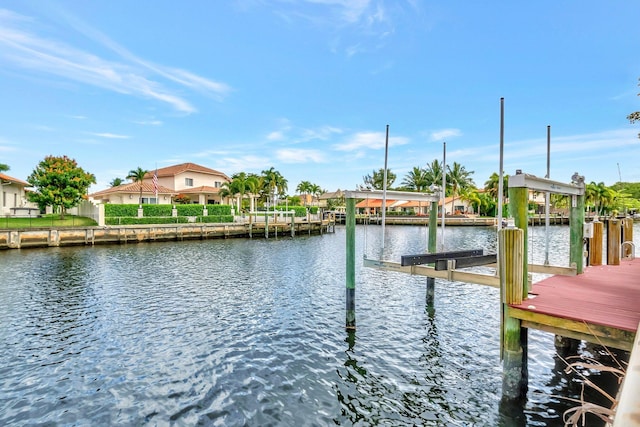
(115, 182)
(3, 167)
(635, 116)
(416, 179)
(137, 175)
(304, 188)
(273, 183)
(434, 172)
(376, 179)
(458, 179)
(59, 182)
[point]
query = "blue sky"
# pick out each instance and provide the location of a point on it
(308, 86)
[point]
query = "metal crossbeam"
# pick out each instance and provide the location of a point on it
(532, 182)
(468, 261)
(431, 258)
(393, 195)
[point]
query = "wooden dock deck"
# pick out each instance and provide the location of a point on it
(601, 305)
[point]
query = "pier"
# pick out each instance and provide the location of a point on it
(599, 304)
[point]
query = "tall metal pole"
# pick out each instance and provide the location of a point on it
(547, 200)
(384, 184)
(501, 171)
(444, 187)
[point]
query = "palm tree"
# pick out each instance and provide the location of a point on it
(315, 190)
(304, 188)
(116, 182)
(433, 173)
(137, 175)
(416, 179)
(376, 179)
(274, 183)
(459, 179)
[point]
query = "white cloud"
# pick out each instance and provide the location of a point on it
(369, 140)
(296, 155)
(275, 136)
(23, 48)
(444, 134)
(149, 122)
(110, 135)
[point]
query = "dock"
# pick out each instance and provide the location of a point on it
(601, 305)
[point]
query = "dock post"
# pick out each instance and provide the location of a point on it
(513, 290)
(293, 224)
(613, 241)
(595, 245)
(576, 233)
(351, 263)
(433, 239)
(266, 226)
(627, 236)
(518, 208)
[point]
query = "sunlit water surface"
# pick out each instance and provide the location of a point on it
(251, 332)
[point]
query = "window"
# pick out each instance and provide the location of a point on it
(218, 184)
(188, 182)
(149, 200)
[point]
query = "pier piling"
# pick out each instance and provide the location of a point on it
(351, 263)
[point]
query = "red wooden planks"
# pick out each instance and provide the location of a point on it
(606, 295)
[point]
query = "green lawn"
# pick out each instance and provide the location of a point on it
(46, 221)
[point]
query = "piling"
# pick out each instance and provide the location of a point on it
(433, 239)
(576, 233)
(613, 241)
(513, 290)
(627, 247)
(351, 263)
(595, 244)
(518, 206)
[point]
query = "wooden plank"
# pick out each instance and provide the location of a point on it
(422, 270)
(431, 258)
(572, 328)
(466, 261)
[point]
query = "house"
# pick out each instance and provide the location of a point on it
(373, 206)
(198, 184)
(13, 192)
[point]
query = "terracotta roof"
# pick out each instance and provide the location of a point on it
(14, 180)
(183, 167)
(199, 190)
(373, 203)
(133, 187)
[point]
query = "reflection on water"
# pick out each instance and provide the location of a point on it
(251, 332)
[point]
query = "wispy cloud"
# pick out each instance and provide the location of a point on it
(368, 141)
(444, 134)
(148, 122)
(23, 47)
(109, 135)
(297, 155)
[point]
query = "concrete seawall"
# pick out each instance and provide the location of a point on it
(88, 236)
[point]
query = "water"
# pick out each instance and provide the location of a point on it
(251, 332)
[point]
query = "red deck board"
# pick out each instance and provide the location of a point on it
(607, 295)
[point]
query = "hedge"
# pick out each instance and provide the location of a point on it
(157, 210)
(120, 210)
(219, 210)
(189, 210)
(168, 220)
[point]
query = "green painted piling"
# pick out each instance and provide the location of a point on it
(351, 263)
(576, 233)
(433, 239)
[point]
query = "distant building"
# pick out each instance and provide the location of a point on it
(13, 192)
(199, 184)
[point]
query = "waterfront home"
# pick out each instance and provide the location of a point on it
(373, 206)
(196, 183)
(14, 197)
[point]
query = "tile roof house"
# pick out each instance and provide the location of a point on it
(198, 183)
(13, 195)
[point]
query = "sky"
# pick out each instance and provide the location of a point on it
(308, 87)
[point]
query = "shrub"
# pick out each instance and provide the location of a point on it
(189, 210)
(219, 210)
(157, 210)
(216, 218)
(145, 220)
(120, 210)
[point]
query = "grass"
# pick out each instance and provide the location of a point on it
(46, 221)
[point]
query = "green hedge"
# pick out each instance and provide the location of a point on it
(313, 210)
(157, 210)
(167, 220)
(120, 210)
(219, 210)
(300, 211)
(189, 210)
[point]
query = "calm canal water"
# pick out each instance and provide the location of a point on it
(251, 332)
